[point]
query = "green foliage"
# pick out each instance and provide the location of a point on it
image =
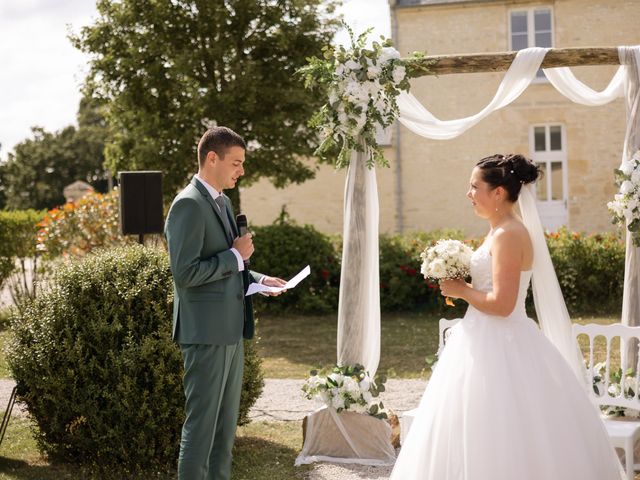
(95, 364)
(18, 230)
(168, 70)
(590, 270)
(282, 250)
(40, 167)
(402, 286)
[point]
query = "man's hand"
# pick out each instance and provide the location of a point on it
(244, 246)
(273, 282)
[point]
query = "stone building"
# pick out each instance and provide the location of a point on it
(577, 146)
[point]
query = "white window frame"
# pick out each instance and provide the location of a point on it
(549, 156)
(531, 34)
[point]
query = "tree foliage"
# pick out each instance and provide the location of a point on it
(39, 168)
(170, 69)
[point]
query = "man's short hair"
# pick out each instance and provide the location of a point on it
(218, 140)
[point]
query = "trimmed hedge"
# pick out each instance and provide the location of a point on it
(95, 364)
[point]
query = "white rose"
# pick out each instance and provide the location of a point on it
(632, 204)
(388, 53)
(365, 384)
(438, 268)
(626, 187)
(337, 377)
(374, 71)
(352, 65)
(399, 72)
(337, 402)
(626, 167)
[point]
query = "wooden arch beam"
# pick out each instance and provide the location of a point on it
(497, 62)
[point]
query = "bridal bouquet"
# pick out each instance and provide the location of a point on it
(447, 259)
(625, 208)
(347, 388)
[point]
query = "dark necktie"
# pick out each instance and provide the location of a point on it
(225, 217)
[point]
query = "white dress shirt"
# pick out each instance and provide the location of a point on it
(215, 194)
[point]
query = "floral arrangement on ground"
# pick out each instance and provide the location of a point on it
(347, 388)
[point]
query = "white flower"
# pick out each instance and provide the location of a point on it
(627, 167)
(388, 53)
(352, 65)
(374, 71)
(635, 176)
(337, 402)
(367, 397)
(399, 72)
(365, 384)
(337, 377)
(351, 387)
(626, 187)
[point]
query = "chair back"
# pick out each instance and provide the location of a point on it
(444, 326)
(613, 362)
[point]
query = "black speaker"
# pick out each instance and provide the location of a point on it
(141, 203)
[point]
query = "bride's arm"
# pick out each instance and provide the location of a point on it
(507, 252)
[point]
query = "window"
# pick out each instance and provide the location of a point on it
(548, 150)
(531, 28)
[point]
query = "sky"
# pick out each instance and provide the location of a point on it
(41, 72)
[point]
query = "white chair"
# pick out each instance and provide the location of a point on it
(408, 416)
(623, 432)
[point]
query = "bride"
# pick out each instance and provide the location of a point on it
(503, 402)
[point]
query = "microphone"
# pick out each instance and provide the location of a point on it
(241, 222)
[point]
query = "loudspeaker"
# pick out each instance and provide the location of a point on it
(141, 202)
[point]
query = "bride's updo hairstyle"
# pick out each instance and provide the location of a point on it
(509, 172)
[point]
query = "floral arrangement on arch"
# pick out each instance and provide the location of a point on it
(625, 207)
(362, 85)
(349, 388)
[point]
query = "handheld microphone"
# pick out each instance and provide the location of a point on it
(241, 222)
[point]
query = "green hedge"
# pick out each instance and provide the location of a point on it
(18, 238)
(95, 364)
(282, 250)
(590, 269)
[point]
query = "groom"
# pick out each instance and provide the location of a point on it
(211, 314)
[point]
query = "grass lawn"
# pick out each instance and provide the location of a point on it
(293, 345)
(263, 450)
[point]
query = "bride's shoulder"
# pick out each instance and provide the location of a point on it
(512, 233)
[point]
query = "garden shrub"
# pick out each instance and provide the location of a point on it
(402, 286)
(77, 228)
(94, 362)
(282, 250)
(590, 270)
(18, 229)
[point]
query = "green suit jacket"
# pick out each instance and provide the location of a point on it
(209, 302)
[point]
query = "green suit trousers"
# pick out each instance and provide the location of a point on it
(212, 386)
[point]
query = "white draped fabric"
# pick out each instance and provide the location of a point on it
(359, 303)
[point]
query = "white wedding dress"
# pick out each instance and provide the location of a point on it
(503, 404)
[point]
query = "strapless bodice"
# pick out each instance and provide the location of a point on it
(482, 277)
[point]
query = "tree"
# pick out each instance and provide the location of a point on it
(40, 167)
(170, 69)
